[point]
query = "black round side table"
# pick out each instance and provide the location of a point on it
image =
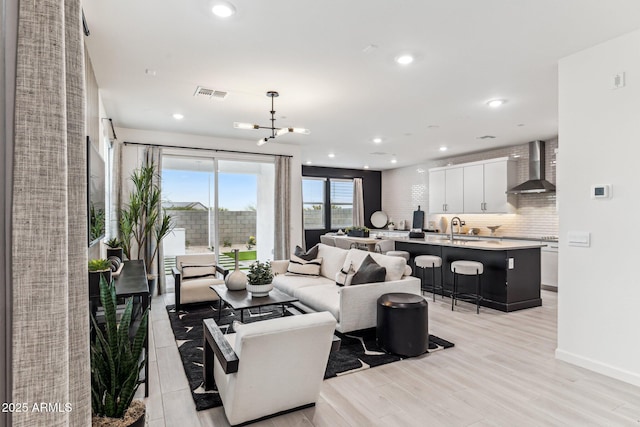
(403, 324)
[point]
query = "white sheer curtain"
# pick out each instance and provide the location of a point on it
(50, 334)
(282, 233)
(358, 203)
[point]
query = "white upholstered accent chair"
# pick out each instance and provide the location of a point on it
(280, 365)
(345, 243)
(384, 246)
(328, 240)
(193, 274)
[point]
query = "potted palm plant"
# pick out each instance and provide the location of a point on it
(143, 221)
(260, 279)
(116, 364)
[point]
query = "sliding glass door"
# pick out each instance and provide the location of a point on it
(219, 205)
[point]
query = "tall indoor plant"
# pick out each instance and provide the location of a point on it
(143, 221)
(116, 363)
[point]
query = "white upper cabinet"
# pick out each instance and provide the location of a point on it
(445, 190)
(479, 187)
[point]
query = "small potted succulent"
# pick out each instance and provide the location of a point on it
(98, 268)
(114, 248)
(357, 231)
(260, 279)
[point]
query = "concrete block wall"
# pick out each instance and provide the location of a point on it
(236, 226)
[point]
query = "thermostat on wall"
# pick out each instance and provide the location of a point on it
(601, 191)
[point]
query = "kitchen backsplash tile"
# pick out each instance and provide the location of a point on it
(403, 189)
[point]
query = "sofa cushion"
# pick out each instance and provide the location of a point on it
(290, 284)
(301, 267)
(369, 272)
(194, 271)
(307, 256)
(395, 266)
(332, 260)
(321, 298)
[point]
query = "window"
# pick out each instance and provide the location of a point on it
(313, 203)
(341, 197)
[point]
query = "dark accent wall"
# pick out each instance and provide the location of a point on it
(371, 188)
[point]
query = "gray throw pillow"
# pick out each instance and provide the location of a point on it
(369, 272)
(307, 256)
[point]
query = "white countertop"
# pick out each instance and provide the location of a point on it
(490, 245)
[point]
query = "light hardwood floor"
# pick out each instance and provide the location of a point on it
(501, 372)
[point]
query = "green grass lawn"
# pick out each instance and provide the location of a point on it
(242, 255)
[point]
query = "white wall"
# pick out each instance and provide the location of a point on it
(599, 300)
(196, 141)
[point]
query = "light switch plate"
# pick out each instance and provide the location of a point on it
(579, 238)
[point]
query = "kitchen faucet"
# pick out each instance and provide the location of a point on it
(456, 221)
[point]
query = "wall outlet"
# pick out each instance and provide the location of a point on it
(511, 264)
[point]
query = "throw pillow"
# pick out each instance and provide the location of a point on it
(196, 271)
(307, 256)
(345, 275)
(301, 267)
(369, 272)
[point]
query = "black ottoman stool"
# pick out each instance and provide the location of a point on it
(403, 324)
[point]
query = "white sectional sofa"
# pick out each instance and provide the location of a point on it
(354, 306)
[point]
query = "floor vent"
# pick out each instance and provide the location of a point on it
(203, 92)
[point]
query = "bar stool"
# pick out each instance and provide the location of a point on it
(402, 254)
(466, 268)
(430, 261)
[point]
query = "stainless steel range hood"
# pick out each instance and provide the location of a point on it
(536, 182)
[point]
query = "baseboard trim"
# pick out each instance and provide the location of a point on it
(599, 367)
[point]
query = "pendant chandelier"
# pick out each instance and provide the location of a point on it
(275, 132)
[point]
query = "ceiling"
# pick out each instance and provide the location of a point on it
(333, 64)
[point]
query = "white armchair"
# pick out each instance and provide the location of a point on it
(193, 274)
(271, 367)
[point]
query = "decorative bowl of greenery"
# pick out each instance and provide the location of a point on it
(357, 231)
(114, 248)
(260, 279)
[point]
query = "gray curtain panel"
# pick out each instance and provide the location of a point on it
(282, 215)
(358, 203)
(153, 155)
(50, 333)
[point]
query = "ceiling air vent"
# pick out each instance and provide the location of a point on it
(379, 153)
(485, 137)
(203, 92)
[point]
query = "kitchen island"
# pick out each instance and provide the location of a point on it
(511, 279)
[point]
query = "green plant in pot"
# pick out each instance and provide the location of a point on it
(116, 363)
(98, 269)
(114, 248)
(143, 222)
(357, 231)
(260, 279)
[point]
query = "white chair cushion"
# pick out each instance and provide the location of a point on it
(197, 290)
(469, 268)
(332, 260)
(194, 259)
(290, 284)
(385, 246)
(321, 298)
(402, 254)
(428, 261)
(194, 271)
(396, 266)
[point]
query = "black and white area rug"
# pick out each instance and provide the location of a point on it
(358, 351)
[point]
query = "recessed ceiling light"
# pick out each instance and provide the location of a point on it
(178, 116)
(443, 148)
(366, 166)
(308, 162)
(377, 140)
(150, 72)
(394, 160)
(404, 59)
(495, 103)
(332, 155)
(223, 10)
